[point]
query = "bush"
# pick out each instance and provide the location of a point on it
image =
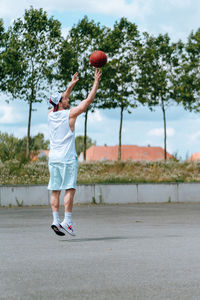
(16, 172)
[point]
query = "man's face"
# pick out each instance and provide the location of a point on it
(65, 103)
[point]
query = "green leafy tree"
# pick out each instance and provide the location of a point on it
(67, 64)
(121, 45)
(79, 142)
(9, 146)
(187, 80)
(2, 33)
(157, 61)
(38, 142)
(83, 39)
(15, 148)
(31, 58)
(2, 47)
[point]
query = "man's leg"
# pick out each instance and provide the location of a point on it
(69, 199)
(55, 201)
(67, 223)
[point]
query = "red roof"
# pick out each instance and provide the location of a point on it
(195, 156)
(127, 152)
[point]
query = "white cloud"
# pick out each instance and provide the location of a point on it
(154, 16)
(79, 125)
(178, 3)
(65, 31)
(137, 8)
(20, 132)
(195, 137)
(119, 8)
(11, 9)
(41, 128)
(95, 117)
(174, 34)
(160, 132)
(8, 115)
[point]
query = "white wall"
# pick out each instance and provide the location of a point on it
(102, 193)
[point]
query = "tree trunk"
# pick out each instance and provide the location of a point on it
(120, 133)
(85, 136)
(165, 132)
(28, 132)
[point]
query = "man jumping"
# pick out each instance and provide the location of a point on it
(63, 162)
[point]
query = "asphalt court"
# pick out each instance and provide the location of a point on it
(133, 251)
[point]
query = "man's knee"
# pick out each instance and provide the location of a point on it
(54, 199)
(70, 192)
(55, 194)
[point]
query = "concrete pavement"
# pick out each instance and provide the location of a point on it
(137, 251)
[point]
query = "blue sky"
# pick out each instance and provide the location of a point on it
(175, 17)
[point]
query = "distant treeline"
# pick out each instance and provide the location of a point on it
(142, 69)
(13, 148)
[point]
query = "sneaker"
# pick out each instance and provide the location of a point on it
(57, 228)
(68, 228)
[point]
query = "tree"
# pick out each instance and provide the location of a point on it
(121, 45)
(31, 58)
(84, 38)
(187, 80)
(39, 143)
(9, 146)
(8, 63)
(2, 34)
(79, 142)
(2, 45)
(15, 148)
(157, 60)
(67, 64)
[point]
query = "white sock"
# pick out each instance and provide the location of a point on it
(68, 218)
(56, 218)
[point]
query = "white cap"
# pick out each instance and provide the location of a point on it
(55, 98)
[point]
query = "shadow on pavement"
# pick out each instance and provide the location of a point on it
(94, 239)
(109, 238)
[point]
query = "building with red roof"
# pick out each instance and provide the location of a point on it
(195, 156)
(128, 152)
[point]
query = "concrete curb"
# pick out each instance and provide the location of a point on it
(20, 195)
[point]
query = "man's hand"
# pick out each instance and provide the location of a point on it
(75, 78)
(97, 75)
(71, 85)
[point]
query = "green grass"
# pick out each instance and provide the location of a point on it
(12, 172)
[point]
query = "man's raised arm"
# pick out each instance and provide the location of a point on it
(71, 85)
(76, 111)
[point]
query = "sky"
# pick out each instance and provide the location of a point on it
(142, 127)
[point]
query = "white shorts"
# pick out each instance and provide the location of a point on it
(63, 176)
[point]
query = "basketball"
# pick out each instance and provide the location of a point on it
(98, 59)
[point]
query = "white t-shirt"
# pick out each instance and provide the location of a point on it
(62, 139)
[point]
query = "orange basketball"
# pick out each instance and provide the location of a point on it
(98, 59)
